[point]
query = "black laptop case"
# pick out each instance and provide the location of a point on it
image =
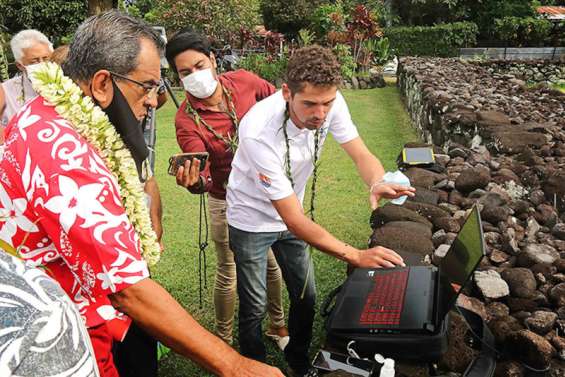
(426, 346)
(403, 341)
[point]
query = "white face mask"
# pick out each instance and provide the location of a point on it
(31, 68)
(200, 84)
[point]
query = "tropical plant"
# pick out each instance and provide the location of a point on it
(267, 66)
(362, 26)
(305, 37)
(380, 50)
(328, 18)
(345, 59)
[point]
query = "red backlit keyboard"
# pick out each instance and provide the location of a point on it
(384, 304)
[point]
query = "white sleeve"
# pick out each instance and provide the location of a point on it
(341, 125)
(267, 169)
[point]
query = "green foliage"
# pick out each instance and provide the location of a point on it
(559, 86)
(345, 58)
(428, 12)
(268, 67)
(305, 37)
(3, 61)
(222, 21)
(144, 9)
(288, 16)
(55, 19)
(520, 32)
(328, 18)
(484, 13)
(379, 49)
(441, 40)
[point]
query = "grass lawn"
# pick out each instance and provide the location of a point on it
(342, 208)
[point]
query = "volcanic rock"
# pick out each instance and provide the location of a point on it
(531, 348)
(472, 179)
(541, 322)
(537, 253)
(491, 285)
(521, 282)
(391, 212)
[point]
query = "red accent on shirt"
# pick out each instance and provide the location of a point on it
(246, 89)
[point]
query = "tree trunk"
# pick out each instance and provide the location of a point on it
(99, 6)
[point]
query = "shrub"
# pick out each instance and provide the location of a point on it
(3, 61)
(442, 40)
(266, 66)
(521, 32)
(328, 18)
(361, 27)
(305, 37)
(380, 50)
(345, 58)
(53, 18)
(221, 21)
(485, 12)
(288, 16)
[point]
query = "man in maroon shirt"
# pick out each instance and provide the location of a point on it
(207, 121)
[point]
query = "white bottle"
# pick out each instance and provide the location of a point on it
(387, 370)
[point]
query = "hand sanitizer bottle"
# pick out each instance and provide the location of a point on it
(387, 370)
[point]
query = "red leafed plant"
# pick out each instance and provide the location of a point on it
(361, 27)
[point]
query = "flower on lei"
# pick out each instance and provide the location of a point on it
(92, 123)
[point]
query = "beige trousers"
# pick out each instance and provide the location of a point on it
(225, 288)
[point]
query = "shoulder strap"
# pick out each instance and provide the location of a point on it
(325, 309)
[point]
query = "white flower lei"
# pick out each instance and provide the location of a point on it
(92, 123)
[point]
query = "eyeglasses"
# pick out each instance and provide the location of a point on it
(150, 90)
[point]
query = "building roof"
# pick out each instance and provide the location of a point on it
(552, 13)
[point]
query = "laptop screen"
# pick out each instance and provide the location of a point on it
(461, 260)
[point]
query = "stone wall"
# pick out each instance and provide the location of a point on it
(501, 146)
(532, 72)
(452, 101)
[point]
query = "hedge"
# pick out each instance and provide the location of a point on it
(522, 32)
(443, 40)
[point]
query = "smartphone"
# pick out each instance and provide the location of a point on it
(330, 362)
(418, 156)
(178, 160)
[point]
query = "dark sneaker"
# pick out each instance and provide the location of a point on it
(312, 372)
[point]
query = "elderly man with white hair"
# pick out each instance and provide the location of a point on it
(29, 47)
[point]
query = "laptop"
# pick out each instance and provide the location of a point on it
(414, 299)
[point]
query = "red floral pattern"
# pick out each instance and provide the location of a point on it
(61, 206)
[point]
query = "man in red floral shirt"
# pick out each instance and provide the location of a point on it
(63, 202)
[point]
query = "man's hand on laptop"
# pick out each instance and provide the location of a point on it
(378, 256)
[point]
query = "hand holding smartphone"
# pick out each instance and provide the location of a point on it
(178, 160)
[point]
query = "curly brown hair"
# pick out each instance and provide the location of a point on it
(315, 65)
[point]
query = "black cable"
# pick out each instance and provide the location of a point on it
(497, 352)
(202, 244)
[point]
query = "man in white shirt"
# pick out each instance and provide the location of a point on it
(280, 140)
(29, 47)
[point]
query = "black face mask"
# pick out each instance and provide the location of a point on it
(127, 125)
